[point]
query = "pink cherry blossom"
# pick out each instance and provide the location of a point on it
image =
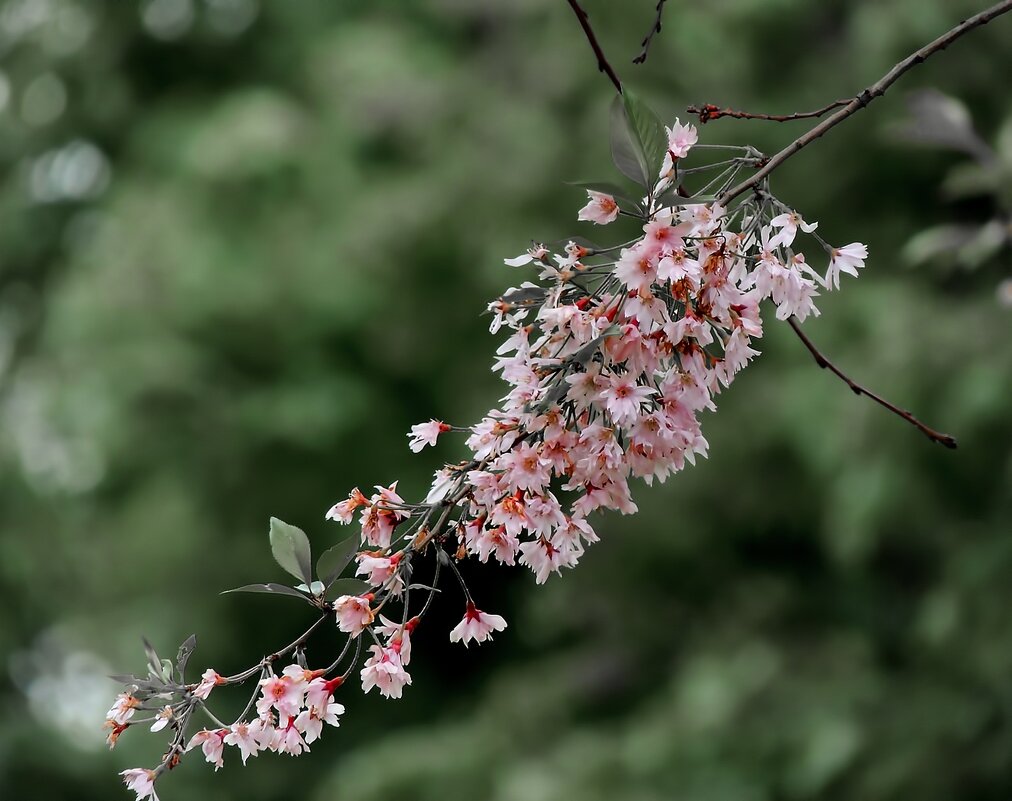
(609, 363)
(162, 718)
(476, 625)
(378, 569)
(543, 558)
(310, 721)
(602, 208)
(283, 693)
(344, 511)
(789, 223)
(424, 434)
(141, 781)
(209, 679)
(288, 739)
(246, 737)
(124, 708)
(353, 613)
(637, 268)
(681, 138)
(622, 397)
(398, 636)
(848, 259)
(212, 743)
(384, 671)
(534, 253)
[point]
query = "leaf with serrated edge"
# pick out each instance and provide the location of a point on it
(154, 661)
(350, 586)
(183, 654)
(648, 133)
(625, 150)
(335, 559)
(269, 589)
(290, 547)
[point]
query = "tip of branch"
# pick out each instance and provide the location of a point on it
(947, 441)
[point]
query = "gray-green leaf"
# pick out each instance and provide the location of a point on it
(290, 547)
(271, 589)
(350, 586)
(638, 141)
(335, 559)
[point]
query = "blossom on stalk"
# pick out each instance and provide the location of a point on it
(124, 708)
(789, 222)
(353, 613)
(141, 781)
(476, 625)
(344, 511)
(424, 434)
(284, 693)
(208, 681)
(848, 259)
(601, 208)
(611, 361)
(385, 671)
(247, 737)
(212, 743)
(162, 718)
(681, 138)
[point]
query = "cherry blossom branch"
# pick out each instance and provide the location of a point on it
(268, 659)
(602, 61)
(857, 389)
(865, 97)
(709, 111)
(648, 39)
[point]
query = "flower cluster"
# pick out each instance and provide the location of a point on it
(612, 356)
(291, 711)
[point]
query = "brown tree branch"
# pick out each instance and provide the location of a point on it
(709, 112)
(655, 28)
(849, 107)
(602, 61)
(857, 389)
(862, 99)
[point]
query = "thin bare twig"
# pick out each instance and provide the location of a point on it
(655, 28)
(602, 61)
(709, 111)
(857, 389)
(862, 99)
(858, 102)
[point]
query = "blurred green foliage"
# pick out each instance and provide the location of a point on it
(243, 246)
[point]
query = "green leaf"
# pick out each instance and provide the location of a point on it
(555, 394)
(154, 661)
(335, 559)
(649, 132)
(350, 586)
(586, 353)
(128, 678)
(290, 547)
(638, 141)
(183, 654)
(271, 589)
